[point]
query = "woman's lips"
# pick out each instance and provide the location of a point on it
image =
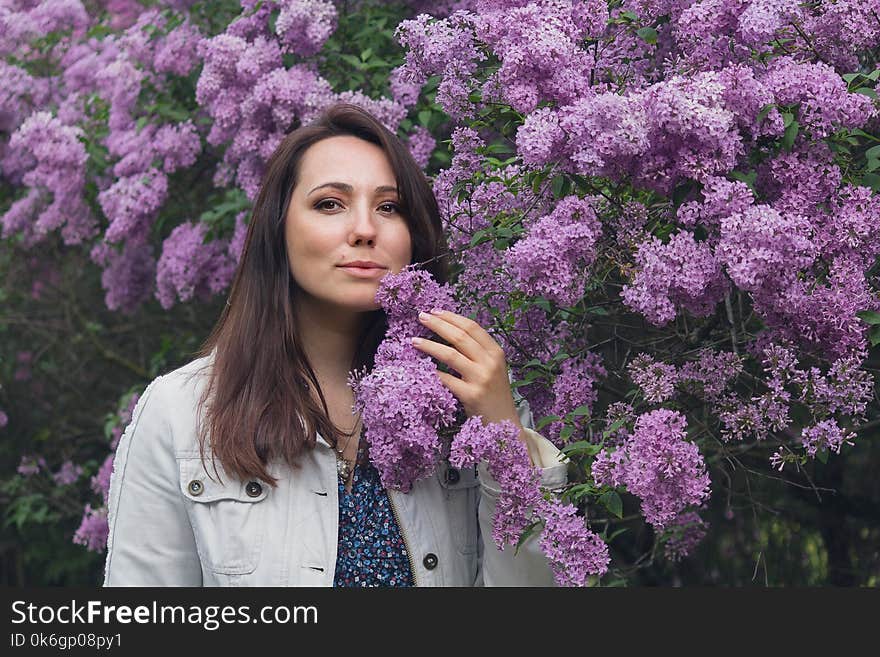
(365, 272)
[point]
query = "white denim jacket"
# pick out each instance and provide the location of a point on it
(171, 524)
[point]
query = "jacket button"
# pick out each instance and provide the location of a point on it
(253, 489)
(430, 561)
(195, 487)
(452, 476)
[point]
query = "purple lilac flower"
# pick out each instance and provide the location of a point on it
(656, 379)
(67, 474)
(685, 532)
(682, 274)
(31, 465)
(189, 268)
(574, 551)
(93, 530)
(825, 435)
(499, 445)
(658, 465)
(554, 257)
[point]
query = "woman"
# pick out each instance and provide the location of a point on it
(214, 483)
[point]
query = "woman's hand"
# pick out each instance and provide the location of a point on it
(484, 386)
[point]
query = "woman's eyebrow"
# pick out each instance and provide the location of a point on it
(345, 187)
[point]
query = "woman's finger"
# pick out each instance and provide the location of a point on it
(454, 335)
(470, 327)
(445, 354)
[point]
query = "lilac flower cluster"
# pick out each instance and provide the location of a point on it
(656, 379)
(681, 275)
(499, 445)
(190, 268)
(574, 386)
(658, 465)
(402, 402)
(684, 533)
(554, 257)
(575, 553)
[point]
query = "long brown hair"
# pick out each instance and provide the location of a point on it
(258, 379)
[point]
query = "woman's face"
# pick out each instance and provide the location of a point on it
(345, 208)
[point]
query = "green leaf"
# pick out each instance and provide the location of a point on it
(871, 180)
(614, 427)
(873, 153)
(365, 55)
(611, 500)
(529, 530)
(867, 91)
(566, 432)
(582, 447)
(869, 316)
(616, 533)
(544, 421)
(789, 136)
(581, 410)
(480, 236)
(765, 111)
(822, 456)
(874, 335)
(558, 186)
(425, 118)
(647, 34)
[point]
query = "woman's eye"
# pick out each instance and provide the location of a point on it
(394, 207)
(320, 204)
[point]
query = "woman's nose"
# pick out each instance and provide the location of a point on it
(365, 226)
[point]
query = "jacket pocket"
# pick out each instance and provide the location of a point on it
(228, 518)
(461, 491)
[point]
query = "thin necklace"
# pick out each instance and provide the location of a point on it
(343, 465)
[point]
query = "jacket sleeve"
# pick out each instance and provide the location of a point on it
(529, 567)
(150, 542)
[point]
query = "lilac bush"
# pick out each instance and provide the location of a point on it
(664, 212)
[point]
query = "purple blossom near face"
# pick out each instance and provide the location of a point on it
(553, 258)
(304, 25)
(826, 435)
(189, 268)
(403, 295)
(658, 465)
(656, 379)
(685, 533)
(402, 402)
(682, 274)
(574, 551)
(93, 530)
(67, 474)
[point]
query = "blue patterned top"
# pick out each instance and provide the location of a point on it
(371, 550)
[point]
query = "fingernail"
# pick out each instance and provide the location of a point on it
(424, 316)
(436, 311)
(415, 341)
